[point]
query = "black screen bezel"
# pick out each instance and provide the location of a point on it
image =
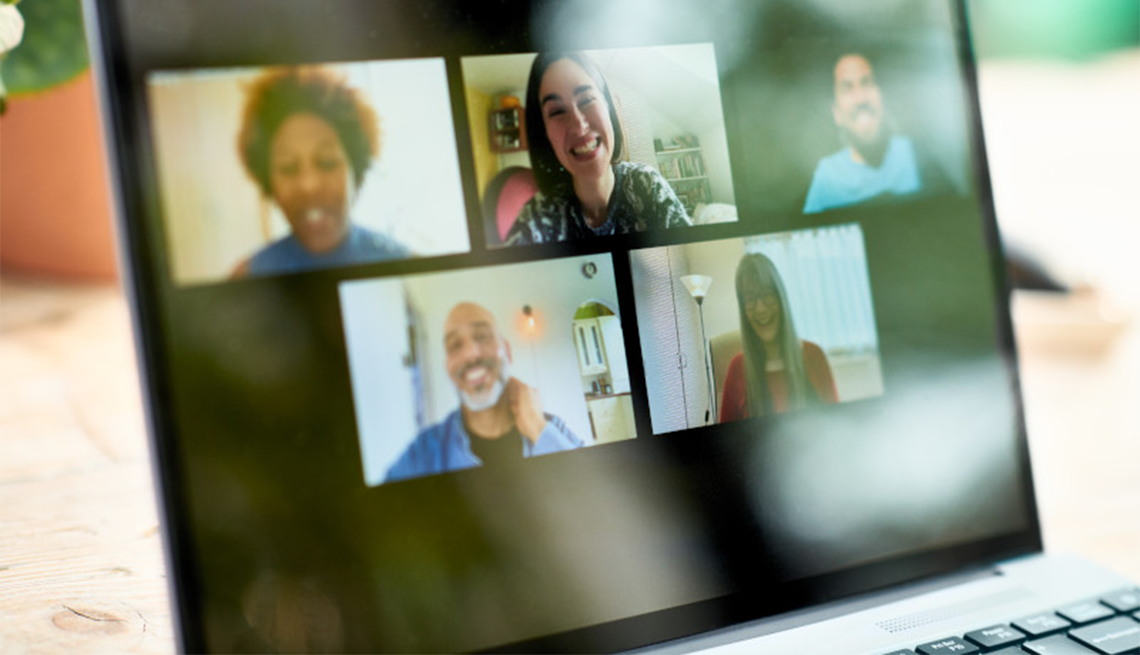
(121, 87)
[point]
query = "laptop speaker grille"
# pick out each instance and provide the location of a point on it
(971, 606)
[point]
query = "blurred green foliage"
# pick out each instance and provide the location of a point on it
(54, 49)
(1069, 29)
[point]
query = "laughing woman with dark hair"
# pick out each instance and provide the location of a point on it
(575, 141)
(777, 372)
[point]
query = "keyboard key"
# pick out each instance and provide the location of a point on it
(905, 651)
(948, 645)
(995, 637)
(1085, 612)
(1056, 645)
(1125, 600)
(1112, 637)
(1040, 625)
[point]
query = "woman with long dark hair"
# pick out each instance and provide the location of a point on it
(777, 371)
(576, 144)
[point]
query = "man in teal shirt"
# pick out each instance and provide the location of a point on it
(874, 162)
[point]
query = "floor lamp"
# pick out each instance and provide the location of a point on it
(698, 286)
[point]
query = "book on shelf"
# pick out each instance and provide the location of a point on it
(687, 165)
(681, 142)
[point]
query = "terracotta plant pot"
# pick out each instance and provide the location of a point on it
(55, 212)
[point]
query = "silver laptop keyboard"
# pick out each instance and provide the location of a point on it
(1109, 625)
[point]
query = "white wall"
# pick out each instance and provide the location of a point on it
(679, 90)
(211, 207)
(413, 190)
(671, 345)
(376, 338)
(717, 259)
(714, 143)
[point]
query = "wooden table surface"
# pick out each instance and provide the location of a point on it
(81, 566)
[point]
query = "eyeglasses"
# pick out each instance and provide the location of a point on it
(768, 298)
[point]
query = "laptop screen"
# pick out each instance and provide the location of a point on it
(560, 325)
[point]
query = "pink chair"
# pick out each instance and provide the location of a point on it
(504, 197)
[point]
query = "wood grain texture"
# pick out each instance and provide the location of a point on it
(81, 565)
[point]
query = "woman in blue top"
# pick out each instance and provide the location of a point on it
(307, 140)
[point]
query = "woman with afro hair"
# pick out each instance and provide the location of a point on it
(307, 140)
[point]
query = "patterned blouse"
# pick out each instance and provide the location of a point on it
(642, 200)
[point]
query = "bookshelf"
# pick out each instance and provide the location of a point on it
(683, 165)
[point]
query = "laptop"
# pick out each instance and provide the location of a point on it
(579, 326)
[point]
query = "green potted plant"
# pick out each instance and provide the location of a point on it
(53, 50)
(11, 33)
(55, 205)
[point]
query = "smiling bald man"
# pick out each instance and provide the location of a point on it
(500, 418)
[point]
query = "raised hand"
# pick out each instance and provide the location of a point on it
(526, 407)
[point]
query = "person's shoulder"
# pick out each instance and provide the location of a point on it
(902, 146)
(650, 194)
(636, 167)
(421, 456)
(543, 204)
(637, 173)
(376, 245)
(281, 256)
(812, 350)
(556, 420)
(437, 432)
(538, 220)
(835, 160)
(829, 171)
(565, 438)
(901, 141)
(524, 230)
(933, 178)
(819, 373)
(735, 369)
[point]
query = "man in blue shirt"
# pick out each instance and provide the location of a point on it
(874, 162)
(500, 418)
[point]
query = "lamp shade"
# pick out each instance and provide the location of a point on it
(698, 285)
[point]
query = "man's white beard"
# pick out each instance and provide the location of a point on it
(491, 397)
